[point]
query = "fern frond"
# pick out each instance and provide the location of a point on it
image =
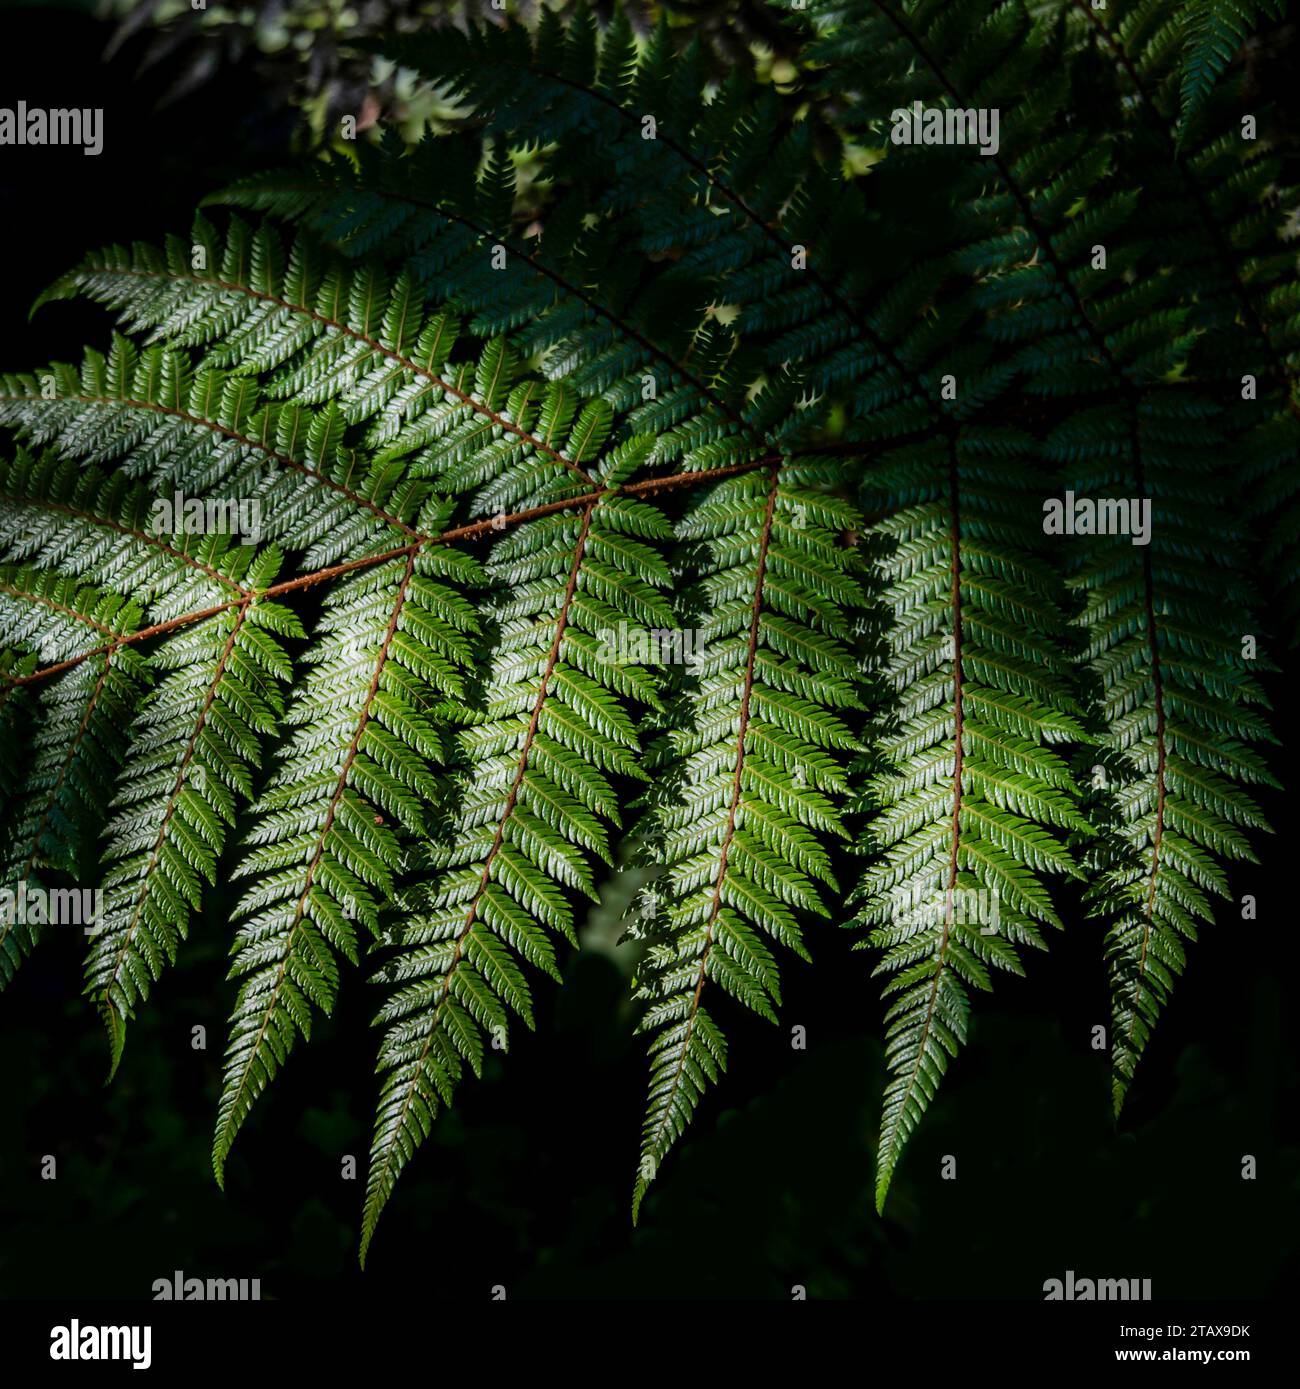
(572, 295)
(752, 774)
(191, 753)
(1183, 50)
(103, 528)
(532, 802)
(763, 228)
(1214, 32)
(158, 418)
(323, 330)
(971, 798)
(1173, 649)
(355, 774)
(58, 796)
(1223, 201)
(458, 379)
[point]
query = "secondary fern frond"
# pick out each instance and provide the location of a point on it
(532, 802)
(1173, 647)
(752, 773)
(192, 751)
(392, 638)
(103, 528)
(158, 418)
(1139, 331)
(971, 798)
(572, 294)
(193, 745)
(59, 795)
(1222, 198)
(1183, 50)
(1214, 32)
(764, 228)
(325, 330)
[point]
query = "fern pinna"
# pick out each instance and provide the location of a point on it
(971, 799)
(758, 745)
(629, 354)
(534, 805)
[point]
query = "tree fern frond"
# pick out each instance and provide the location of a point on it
(325, 330)
(426, 207)
(353, 777)
(58, 797)
(971, 796)
(775, 233)
(213, 431)
(192, 750)
(532, 801)
(1172, 647)
(1187, 48)
(104, 529)
(751, 770)
(1214, 33)
(1228, 195)
(664, 467)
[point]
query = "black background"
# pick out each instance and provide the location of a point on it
(527, 1183)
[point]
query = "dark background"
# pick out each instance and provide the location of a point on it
(527, 1183)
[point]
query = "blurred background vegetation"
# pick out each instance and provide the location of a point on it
(298, 48)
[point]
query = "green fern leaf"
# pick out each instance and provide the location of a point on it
(971, 796)
(752, 768)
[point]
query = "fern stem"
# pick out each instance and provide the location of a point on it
(472, 531)
(129, 639)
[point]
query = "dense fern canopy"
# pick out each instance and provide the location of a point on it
(661, 470)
